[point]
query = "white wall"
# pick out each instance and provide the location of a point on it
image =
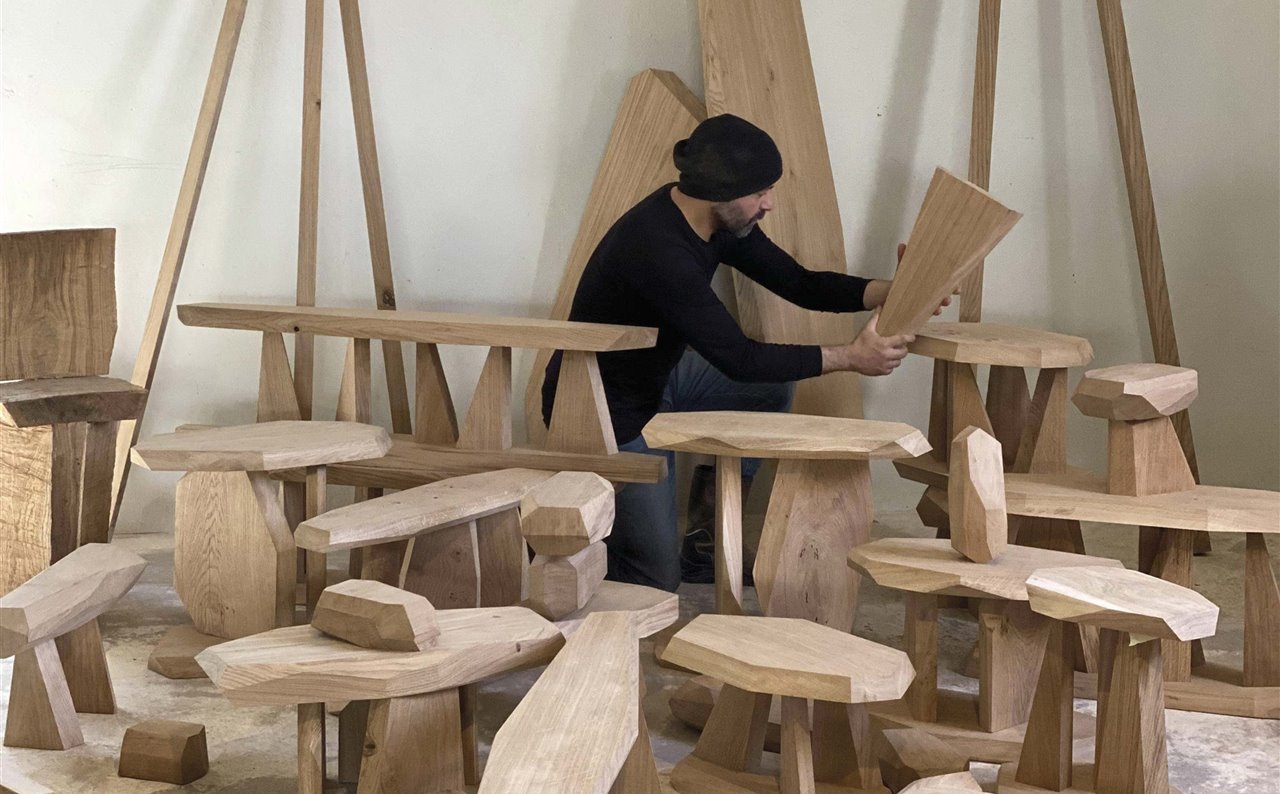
(491, 119)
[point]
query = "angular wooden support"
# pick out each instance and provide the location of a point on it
(175, 655)
(311, 749)
(1145, 459)
(567, 512)
(981, 122)
(842, 745)
(1008, 403)
(975, 496)
(1046, 751)
(413, 744)
(1044, 440)
(1167, 553)
(165, 751)
(470, 738)
(966, 408)
(920, 636)
(353, 723)
(434, 419)
(317, 561)
(1261, 615)
(797, 748)
(309, 198)
(66, 470)
(95, 486)
(488, 421)
(277, 394)
(444, 566)
(561, 585)
(728, 551)
(41, 714)
(355, 399)
(940, 410)
(384, 562)
(1011, 641)
(734, 735)
(85, 665)
(932, 510)
(580, 421)
(910, 754)
(503, 558)
(1132, 727)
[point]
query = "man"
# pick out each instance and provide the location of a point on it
(654, 268)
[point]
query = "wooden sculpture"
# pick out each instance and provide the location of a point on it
(53, 680)
(979, 525)
(561, 585)
(959, 223)
(165, 751)
(801, 661)
(567, 513)
(374, 615)
(1143, 454)
(907, 755)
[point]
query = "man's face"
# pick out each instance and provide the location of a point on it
(741, 215)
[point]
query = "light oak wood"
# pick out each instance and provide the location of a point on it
(796, 752)
(1262, 617)
(413, 744)
(981, 122)
(1131, 750)
(299, 664)
(1044, 442)
(66, 469)
(746, 434)
(1122, 600)
(656, 110)
(444, 566)
(434, 421)
(175, 655)
(1166, 554)
(84, 662)
(1000, 345)
(1046, 752)
(559, 586)
(956, 783)
(488, 421)
(26, 488)
(580, 420)
(965, 408)
(317, 574)
(1083, 496)
(958, 225)
(309, 197)
(576, 726)
(1136, 391)
(975, 498)
(639, 773)
(1144, 459)
(503, 558)
(48, 401)
(426, 508)
(921, 565)
(567, 512)
(418, 326)
(376, 615)
(16, 782)
(1011, 640)
(166, 751)
(907, 755)
(733, 737)
(95, 482)
(355, 392)
(728, 536)
(920, 638)
(175, 247)
(59, 296)
(651, 609)
(277, 395)
(268, 446)
(41, 714)
(1009, 409)
(311, 748)
(792, 657)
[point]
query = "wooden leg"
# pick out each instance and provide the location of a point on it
(384, 562)
(1108, 645)
(64, 507)
(41, 714)
(435, 421)
(1045, 761)
(503, 559)
(85, 666)
(317, 561)
(966, 401)
(734, 735)
(470, 739)
(311, 748)
(413, 745)
(842, 748)
(277, 394)
(639, 773)
(581, 421)
(1136, 761)
(444, 567)
(1008, 407)
(488, 421)
(95, 491)
(1011, 640)
(355, 393)
(352, 724)
(797, 748)
(729, 536)
(920, 634)
(939, 411)
(1043, 448)
(1261, 615)
(1167, 553)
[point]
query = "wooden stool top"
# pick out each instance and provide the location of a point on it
(1002, 345)
(1082, 496)
(299, 664)
(1136, 391)
(1122, 600)
(266, 446)
(651, 609)
(792, 657)
(925, 565)
(759, 434)
(51, 401)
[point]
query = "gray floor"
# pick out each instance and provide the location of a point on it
(252, 749)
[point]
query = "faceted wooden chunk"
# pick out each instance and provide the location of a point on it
(955, 783)
(559, 586)
(175, 655)
(372, 614)
(1122, 600)
(975, 499)
(1136, 391)
(165, 751)
(907, 755)
(567, 513)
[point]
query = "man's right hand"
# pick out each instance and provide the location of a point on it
(870, 353)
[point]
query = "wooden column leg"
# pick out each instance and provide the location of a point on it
(581, 421)
(434, 421)
(1043, 448)
(503, 558)
(470, 739)
(1045, 761)
(734, 734)
(311, 769)
(488, 421)
(444, 566)
(1167, 553)
(413, 745)
(352, 724)
(41, 714)
(1136, 760)
(384, 562)
(728, 550)
(355, 393)
(966, 401)
(796, 749)
(1261, 615)
(940, 411)
(277, 394)
(85, 665)
(1008, 407)
(64, 489)
(1108, 644)
(1011, 641)
(920, 634)
(95, 490)
(842, 747)
(317, 561)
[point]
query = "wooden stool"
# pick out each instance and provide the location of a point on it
(820, 507)
(1133, 611)
(802, 661)
(234, 554)
(414, 739)
(1010, 638)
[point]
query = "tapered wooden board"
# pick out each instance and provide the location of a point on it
(1122, 600)
(651, 609)
(769, 435)
(49, 401)
(26, 491)
(267, 446)
(58, 291)
(1000, 345)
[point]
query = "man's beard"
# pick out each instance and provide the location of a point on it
(734, 221)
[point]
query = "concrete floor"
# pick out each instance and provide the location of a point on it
(252, 749)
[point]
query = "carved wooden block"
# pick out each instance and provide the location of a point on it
(975, 500)
(907, 755)
(376, 615)
(561, 585)
(164, 751)
(1136, 391)
(567, 513)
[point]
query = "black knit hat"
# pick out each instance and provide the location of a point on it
(726, 158)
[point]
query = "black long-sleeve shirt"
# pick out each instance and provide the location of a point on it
(652, 269)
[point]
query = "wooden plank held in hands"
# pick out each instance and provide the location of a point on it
(959, 223)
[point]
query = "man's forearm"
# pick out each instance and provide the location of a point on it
(876, 292)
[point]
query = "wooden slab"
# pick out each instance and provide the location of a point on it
(165, 751)
(267, 446)
(790, 656)
(772, 435)
(651, 609)
(1082, 496)
(922, 565)
(48, 401)
(402, 515)
(975, 501)
(573, 730)
(376, 615)
(559, 586)
(1000, 345)
(414, 326)
(1136, 391)
(77, 589)
(567, 513)
(175, 655)
(959, 223)
(1122, 600)
(58, 291)
(26, 490)
(907, 755)
(299, 664)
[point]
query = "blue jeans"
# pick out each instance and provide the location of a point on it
(644, 547)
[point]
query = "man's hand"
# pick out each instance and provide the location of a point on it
(870, 353)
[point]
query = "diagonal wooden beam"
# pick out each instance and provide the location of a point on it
(309, 198)
(980, 127)
(175, 248)
(375, 214)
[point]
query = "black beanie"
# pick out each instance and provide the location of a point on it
(726, 158)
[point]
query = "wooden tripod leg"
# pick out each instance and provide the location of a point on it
(488, 421)
(444, 566)
(797, 748)
(413, 744)
(352, 724)
(470, 739)
(503, 558)
(95, 485)
(1166, 553)
(85, 665)
(311, 748)
(842, 748)
(1261, 615)
(580, 421)
(940, 411)
(728, 551)
(1045, 760)
(639, 773)
(66, 469)
(1133, 731)
(920, 634)
(317, 561)
(734, 734)
(1011, 640)
(41, 714)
